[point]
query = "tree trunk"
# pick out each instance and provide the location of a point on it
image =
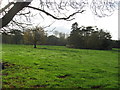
(35, 46)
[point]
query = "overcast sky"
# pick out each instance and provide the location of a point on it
(85, 19)
(89, 19)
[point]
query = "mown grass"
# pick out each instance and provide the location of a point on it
(58, 67)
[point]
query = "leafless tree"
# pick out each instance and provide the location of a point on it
(57, 9)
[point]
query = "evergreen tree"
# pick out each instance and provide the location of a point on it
(89, 38)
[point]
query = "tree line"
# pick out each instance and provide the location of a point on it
(91, 38)
(80, 37)
(34, 36)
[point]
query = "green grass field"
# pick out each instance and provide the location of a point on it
(58, 67)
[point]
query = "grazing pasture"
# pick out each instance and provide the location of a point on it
(58, 67)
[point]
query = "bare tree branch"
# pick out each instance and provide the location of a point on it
(101, 8)
(12, 12)
(64, 18)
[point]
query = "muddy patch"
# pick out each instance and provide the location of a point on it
(6, 65)
(96, 87)
(40, 68)
(63, 76)
(5, 74)
(39, 86)
(33, 78)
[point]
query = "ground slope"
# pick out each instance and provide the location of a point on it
(58, 67)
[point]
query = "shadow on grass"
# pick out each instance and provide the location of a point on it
(59, 49)
(116, 51)
(74, 49)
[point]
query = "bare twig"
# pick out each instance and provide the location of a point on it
(49, 25)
